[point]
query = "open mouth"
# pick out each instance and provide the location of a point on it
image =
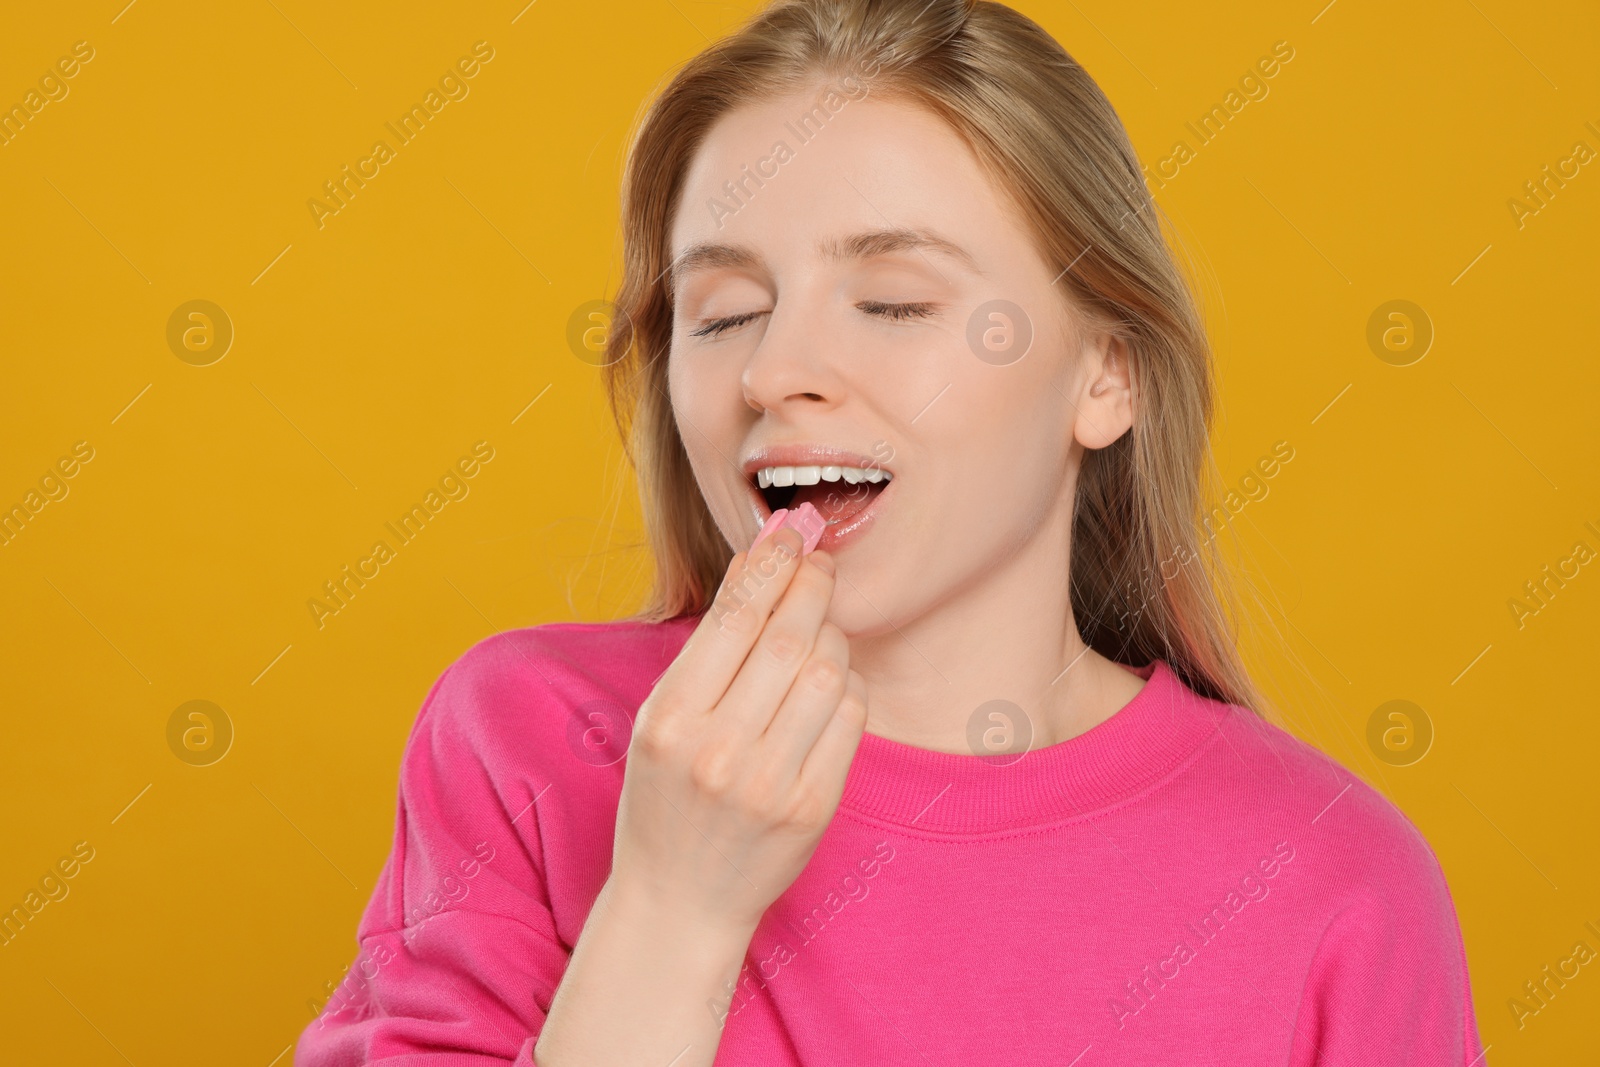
(838, 493)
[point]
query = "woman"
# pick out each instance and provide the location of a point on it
(958, 764)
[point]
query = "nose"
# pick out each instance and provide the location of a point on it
(792, 366)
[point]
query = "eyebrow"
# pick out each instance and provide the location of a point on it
(857, 246)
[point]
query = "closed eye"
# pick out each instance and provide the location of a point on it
(716, 326)
(898, 312)
(892, 312)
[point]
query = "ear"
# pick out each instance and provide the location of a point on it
(1104, 407)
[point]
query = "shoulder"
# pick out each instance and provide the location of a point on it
(599, 654)
(493, 735)
(1252, 778)
(1366, 917)
(1352, 844)
(516, 694)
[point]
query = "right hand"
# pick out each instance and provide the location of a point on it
(740, 753)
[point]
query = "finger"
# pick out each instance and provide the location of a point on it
(785, 644)
(711, 657)
(827, 767)
(810, 702)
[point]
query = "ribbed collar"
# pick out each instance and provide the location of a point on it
(961, 794)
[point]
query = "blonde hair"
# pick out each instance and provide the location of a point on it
(1046, 133)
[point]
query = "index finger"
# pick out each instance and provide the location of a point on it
(711, 658)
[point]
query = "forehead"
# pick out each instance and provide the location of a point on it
(793, 178)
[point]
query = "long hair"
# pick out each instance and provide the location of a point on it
(1145, 584)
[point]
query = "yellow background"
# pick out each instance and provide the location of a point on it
(371, 353)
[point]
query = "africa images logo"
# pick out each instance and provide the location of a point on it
(1138, 992)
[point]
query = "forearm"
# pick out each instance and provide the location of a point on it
(644, 986)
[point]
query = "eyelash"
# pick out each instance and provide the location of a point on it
(892, 312)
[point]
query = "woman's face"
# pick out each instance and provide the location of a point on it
(843, 313)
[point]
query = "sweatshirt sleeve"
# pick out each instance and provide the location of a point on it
(1388, 983)
(459, 956)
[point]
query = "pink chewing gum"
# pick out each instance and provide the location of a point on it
(804, 520)
(808, 521)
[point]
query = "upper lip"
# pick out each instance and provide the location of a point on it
(807, 456)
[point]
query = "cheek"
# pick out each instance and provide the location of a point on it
(707, 402)
(1003, 457)
(1002, 494)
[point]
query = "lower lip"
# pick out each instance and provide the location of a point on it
(841, 534)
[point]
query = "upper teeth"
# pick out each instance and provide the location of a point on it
(812, 475)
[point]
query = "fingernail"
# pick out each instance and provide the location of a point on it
(772, 524)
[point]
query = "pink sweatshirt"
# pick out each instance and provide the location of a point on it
(1182, 884)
